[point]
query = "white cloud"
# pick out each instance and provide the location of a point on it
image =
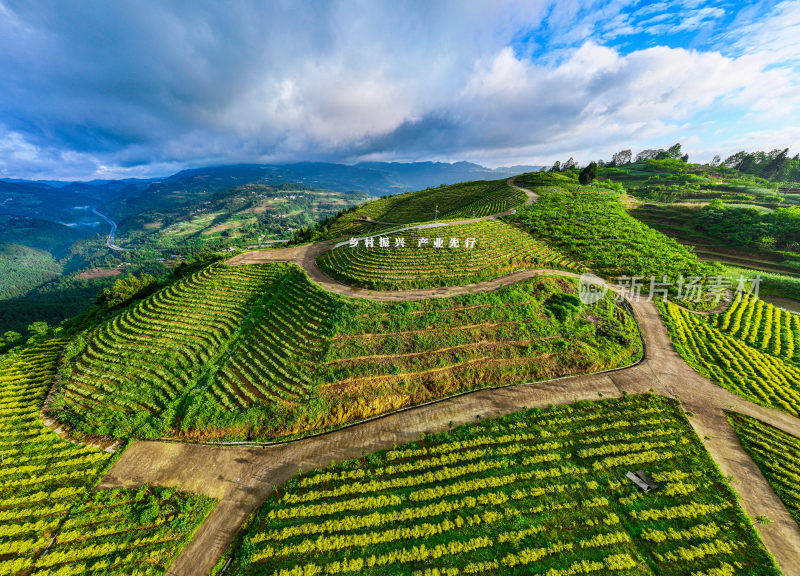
(598, 92)
(773, 38)
(122, 89)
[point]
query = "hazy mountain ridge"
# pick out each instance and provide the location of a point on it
(374, 178)
(215, 206)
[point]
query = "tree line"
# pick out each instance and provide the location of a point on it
(775, 165)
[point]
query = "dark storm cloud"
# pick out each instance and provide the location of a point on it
(98, 88)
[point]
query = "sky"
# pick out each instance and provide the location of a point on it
(96, 89)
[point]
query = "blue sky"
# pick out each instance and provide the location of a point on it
(94, 89)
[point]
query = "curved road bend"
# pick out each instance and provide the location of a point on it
(242, 477)
(110, 240)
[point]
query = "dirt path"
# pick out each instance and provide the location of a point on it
(532, 196)
(788, 304)
(242, 477)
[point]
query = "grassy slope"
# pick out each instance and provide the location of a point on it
(541, 490)
(291, 358)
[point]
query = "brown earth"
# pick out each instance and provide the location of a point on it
(98, 273)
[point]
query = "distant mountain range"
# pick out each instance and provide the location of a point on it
(373, 178)
(54, 239)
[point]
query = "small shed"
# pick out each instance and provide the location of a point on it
(642, 480)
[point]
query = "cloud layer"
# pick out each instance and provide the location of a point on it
(93, 89)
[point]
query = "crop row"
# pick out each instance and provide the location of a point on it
(733, 363)
(143, 359)
(515, 496)
(51, 520)
(763, 326)
(777, 455)
(499, 249)
(274, 360)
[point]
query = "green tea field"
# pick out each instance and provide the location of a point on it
(53, 520)
(749, 350)
(430, 257)
(269, 353)
(777, 455)
(538, 492)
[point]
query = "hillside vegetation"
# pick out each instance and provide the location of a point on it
(47, 497)
(146, 361)
(259, 351)
(459, 201)
(772, 283)
(499, 249)
(741, 211)
(384, 356)
(541, 490)
(777, 455)
(595, 229)
(23, 269)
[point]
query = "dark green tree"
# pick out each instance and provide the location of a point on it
(126, 290)
(38, 328)
(674, 151)
(588, 174)
(775, 166)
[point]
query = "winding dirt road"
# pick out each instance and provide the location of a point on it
(242, 477)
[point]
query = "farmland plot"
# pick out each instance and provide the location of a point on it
(537, 492)
(499, 249)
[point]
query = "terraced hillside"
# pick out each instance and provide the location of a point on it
(777, 455)
(131, 373)
(540, 491)
(751, 354)
(384, 356)
(260, 351)
(419, 263)
(268, 381)
(53, 523)
(459, 201)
